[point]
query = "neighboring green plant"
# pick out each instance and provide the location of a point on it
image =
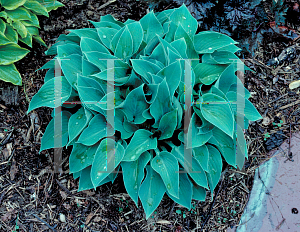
(19, 22)
(150, 86)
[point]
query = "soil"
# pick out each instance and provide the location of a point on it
(33, 198)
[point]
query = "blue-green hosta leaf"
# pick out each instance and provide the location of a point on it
(133, 30)
(130, 127)
(199, 193)
(151, 191)
(136, 32)
(91, 45)
(143, 67)
(156, 62)
(115, 96)
(209, 41)
(90, 92)
(201, 154)
(128, 21)
(162, 103)
(10, 53)
(9, 73)
(166, 165)
(87, 32)
(71, 37)
(185, 191)
(227, 78)
(152, 44)
(88, 68)
(218, 92)
(224, 57)
(195, 171)
(85, 181)
(172, 73)
(119, 120)
(151, 27)
(81, 156)
(100, 59)
(173, 57)
(194, 139)
(96, 130)
(214, 166)
(53, 138)
(133, 174)
(36, 7)
(182, 16)
(12, 5)
(53, 49)
(78, 122)
(106, 35)
(76, 175)
(217, 111)
(179, 109)
(52, 94)
(168, 124)
(124, 47)
(68, 49)
(241, 148)
(205, 125)
(111, 19)
(141, 141)
(246, 108)
(18, 14)
(134, 106)
(181, 47)
(166, 46)
(160, 54)
(181, 32)
(117, 73)
(244, 92)
(230, 48)
(106, 24)
(108, 156)
(71, 65)
(164, 15)
(171, 31)
(208, 73)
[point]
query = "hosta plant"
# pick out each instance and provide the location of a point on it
(19, 22)
(133, 116)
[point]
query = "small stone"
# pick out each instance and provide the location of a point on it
(266, 121)
(62, 217)
(89, 13)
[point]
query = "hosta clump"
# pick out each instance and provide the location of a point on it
(153, 78)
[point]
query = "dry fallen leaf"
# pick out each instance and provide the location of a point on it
(63, 195)
(88, 218)
(13, 169)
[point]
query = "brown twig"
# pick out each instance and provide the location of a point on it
(64, 188)
(41, 220)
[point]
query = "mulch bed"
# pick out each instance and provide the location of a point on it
(34, 198)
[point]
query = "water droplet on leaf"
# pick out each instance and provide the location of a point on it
(150, 201)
